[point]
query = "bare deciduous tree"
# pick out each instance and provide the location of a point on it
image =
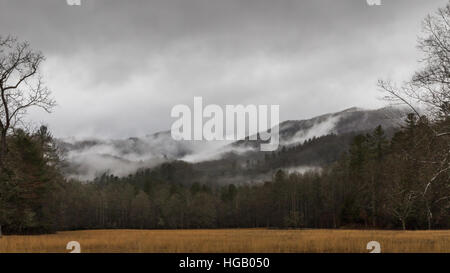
(21, 86)
(430, 87)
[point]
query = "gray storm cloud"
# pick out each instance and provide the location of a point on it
(117, 68)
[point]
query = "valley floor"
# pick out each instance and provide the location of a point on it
(231, 240)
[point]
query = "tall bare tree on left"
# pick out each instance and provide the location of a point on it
(21, 87)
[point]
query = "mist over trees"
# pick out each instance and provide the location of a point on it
(395, 180)
(374, 185)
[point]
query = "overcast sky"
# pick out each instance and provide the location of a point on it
(116, 68)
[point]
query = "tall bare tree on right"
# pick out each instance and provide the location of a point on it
(429, 89)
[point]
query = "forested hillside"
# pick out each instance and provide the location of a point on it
(378, 183)
(88, 158)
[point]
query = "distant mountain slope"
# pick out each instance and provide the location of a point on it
(89, 158)
(351, 120)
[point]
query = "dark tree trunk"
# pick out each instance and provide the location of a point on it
(374, 209)
(3, 149)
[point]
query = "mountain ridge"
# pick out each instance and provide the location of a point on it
(89, 158)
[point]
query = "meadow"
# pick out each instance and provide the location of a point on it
(231, 240)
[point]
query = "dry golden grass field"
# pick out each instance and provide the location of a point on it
(231, 240)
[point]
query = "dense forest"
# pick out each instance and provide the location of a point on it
(377, 183)
(374, 179)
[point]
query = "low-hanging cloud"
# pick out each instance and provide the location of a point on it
(90, 158)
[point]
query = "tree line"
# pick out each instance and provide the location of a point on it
(378, 183)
